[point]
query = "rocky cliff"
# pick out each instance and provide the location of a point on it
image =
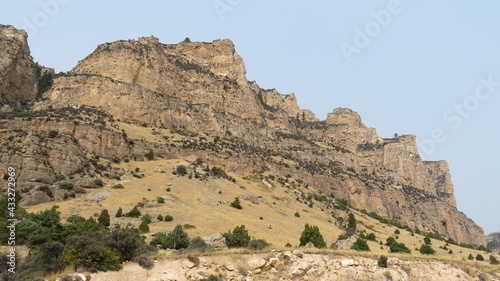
(17, 70)
(199, 89)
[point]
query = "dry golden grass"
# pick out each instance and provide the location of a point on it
(206, 205)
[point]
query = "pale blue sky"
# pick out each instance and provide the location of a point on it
(424, 61)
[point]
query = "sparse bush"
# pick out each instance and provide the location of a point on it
(134, 213)
(382, 261)
(257, 244)
(236, 203)
(197, 243)
(427, 240)
(181, 170)
(313, 235)
(98, 183)
(360, 245)
(211, 278)
(146, 263)
(66, 186)
(118, 186)
(150, 155)
(426, 249)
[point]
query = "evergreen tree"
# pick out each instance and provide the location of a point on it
(119, 213)
(144, 227)
(426, 249)
(178, 238)
(236, 203)
(238, 238)
(104, 218)
(313, 235)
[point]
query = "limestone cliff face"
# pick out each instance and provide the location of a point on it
(202, 87)
(17, 70)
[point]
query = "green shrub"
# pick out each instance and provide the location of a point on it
(427, 240)
(257, 244)
(104, 218)
(197, 243)
(397, 231)
(147, 219)
(211, 278)
(181, 170)
(479, 257)
(382, 261)
(238, 237)
(297, 214)
(236, 203)
(426, 249)
(144, 227)
(313, 235)
(98, 183)
(134, 213)
(118, 186)
(150, 155)
(494, 260)
(159, 217)
(360, 245)
(471, 257)
(119, 213)
(168, 218)
(66, 186)
(396, 247)
(160, 200)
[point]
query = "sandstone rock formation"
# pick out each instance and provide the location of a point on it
(17, 70)
(294, 266)
(201, 88)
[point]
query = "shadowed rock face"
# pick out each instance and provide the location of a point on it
(202, 87)
(17, 70)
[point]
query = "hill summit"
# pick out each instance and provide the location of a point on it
(60, 123)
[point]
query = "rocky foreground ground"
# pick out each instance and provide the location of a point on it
(294, 265)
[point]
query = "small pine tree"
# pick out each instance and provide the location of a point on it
(104, 218)
(144, 227)
(471, 257)
(427, 240)
(236, 203)
(119, 213)
(313, 235)
(159, 217)
(494, 260)
(239, 237)
(297, 214)
(178, 238)
(160, 200)
(134, 213)
(168, 218)
(479, 257)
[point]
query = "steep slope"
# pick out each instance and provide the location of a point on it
(200, 89)
(17, 70)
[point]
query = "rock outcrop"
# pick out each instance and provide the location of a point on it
(295, 266)
(17, 69)
(201, 88)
